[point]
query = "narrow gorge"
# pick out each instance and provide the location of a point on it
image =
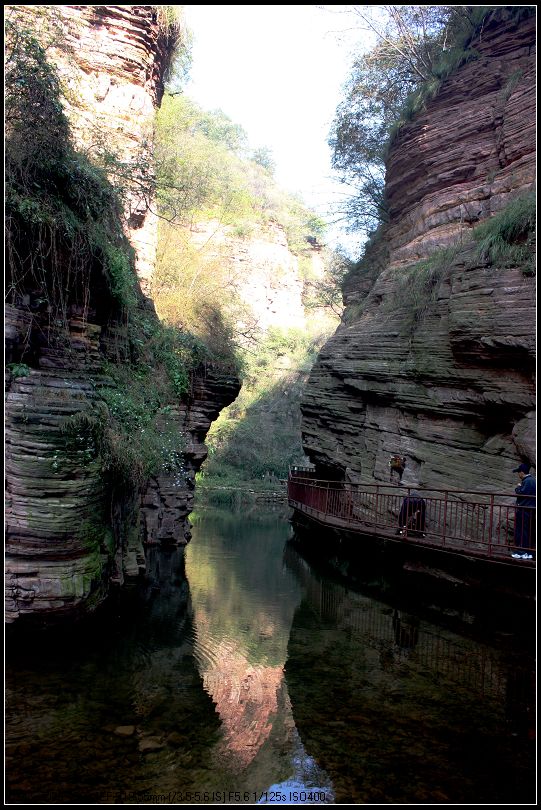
(433, 359)
(266, 405)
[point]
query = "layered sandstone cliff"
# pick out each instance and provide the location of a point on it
(69, 536)
(69, 533)
(451, 387)
(112, 61)
(471, 151)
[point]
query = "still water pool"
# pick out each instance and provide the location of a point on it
(237, 674)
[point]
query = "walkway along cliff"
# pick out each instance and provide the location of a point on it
(78, 323)
(434, 359)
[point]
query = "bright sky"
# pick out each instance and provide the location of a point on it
(278, 72)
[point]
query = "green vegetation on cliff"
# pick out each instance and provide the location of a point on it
(210, 181)
(62, 215)
(68, 257)
(417, 48)
(508, 238)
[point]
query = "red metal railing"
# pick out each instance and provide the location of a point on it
(474, 523)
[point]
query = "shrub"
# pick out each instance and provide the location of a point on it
(206, 174)
(506, 239)
(18, 369)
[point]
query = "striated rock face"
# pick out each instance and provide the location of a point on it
(470, 152)
(56, 557)
(451, 388)
(122, 53)
(69, 536)
(112, 63)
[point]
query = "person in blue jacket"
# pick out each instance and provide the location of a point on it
(524, 514)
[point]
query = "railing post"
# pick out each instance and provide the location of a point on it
(444, 518)
(490, 525)
(327, 498)
(376, 508)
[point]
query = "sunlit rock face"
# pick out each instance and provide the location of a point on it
(112, 64)
(262, 270)
(120, 53)
(471, 151)
(451, 387)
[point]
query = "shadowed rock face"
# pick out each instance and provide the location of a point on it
(453, 390)
(67, 537)
(52, 563)
(168, 501)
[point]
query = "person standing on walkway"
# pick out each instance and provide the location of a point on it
(412, 517)
(524, 514)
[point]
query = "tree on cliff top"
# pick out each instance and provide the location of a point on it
(417, 47)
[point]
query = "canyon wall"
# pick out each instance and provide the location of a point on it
(112, 61)
(447, 381)
(69, 534)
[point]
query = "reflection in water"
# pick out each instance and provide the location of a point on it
(175, 691)
(101, 713)
(443, 654)
(418, 713)
(243, 602)
(246, 673)
(246, 699)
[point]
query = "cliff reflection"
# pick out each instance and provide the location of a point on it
(243, 602)
(396, 709)
(115, 708)
(242, 608)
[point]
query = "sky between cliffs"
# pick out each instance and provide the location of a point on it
(278, 72)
